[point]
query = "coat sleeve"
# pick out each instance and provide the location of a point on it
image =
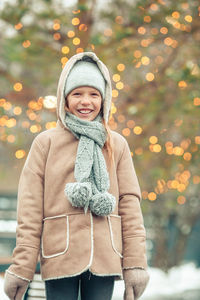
(133, 230)
(29, 214)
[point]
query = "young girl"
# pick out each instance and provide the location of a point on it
(79, 198)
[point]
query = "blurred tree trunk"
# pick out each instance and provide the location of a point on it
(86, 16)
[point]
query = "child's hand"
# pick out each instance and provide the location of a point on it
(135, 283)
(14, 287)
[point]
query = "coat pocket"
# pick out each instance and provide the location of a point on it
(55, 236)
(115, 227)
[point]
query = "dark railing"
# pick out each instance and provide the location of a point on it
(8, 205)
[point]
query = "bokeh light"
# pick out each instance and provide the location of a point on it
(18, 87)
(20, 154)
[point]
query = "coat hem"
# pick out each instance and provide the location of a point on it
(82, 271)
(65, 276)
(108, 274)
(133, 268)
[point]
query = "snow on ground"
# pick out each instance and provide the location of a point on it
(182, 282)
(2, 295)
(177, 281)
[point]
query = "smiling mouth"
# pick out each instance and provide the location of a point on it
(85, 111)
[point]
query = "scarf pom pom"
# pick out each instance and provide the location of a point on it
(79, 193)
(102, 204)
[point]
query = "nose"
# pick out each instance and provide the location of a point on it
(85, 100)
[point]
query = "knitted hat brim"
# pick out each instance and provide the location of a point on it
(85, 74)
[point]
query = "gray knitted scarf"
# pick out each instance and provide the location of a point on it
(91, 188)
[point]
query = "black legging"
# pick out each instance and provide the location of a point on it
(92, 287)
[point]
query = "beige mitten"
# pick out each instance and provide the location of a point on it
(14, 287)
(135, 281)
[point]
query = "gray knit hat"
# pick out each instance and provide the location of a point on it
(85, 73)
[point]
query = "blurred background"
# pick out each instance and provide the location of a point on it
(152, 51)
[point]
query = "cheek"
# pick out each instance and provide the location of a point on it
(70, 104)
(99, 104)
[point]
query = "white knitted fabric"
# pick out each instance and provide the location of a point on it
(91, 188)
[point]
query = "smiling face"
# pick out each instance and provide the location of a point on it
(84, 102)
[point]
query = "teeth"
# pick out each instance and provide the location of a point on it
(84, 111)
